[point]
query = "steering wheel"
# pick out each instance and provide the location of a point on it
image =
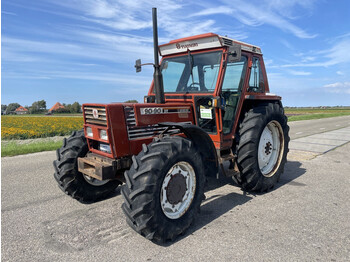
(194, 87)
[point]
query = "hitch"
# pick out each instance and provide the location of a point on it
(103, 168)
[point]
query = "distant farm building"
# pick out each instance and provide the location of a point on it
(21, 110)
(55, 107)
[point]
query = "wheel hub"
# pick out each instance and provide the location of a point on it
(270, 148)
(176, 188)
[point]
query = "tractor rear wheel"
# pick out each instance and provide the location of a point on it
(70, 180)
(164, 188)
(262, 148)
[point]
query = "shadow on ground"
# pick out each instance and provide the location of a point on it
(218, 205)
(292, 171)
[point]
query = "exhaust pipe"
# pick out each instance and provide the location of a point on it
(157, 76)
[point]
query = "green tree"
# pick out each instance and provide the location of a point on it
(38, 107)
(12, 107)
(68, 108)
(62, 110)
(75, 108)
(131, 101)
(3, 108)
(42, 105)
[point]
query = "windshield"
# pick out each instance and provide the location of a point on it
(191, 73)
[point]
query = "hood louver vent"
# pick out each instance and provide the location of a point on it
(95, 115)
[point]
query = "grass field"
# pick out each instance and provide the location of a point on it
(14, 148)
(295, 114)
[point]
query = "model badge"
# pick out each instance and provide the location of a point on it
(95, 113)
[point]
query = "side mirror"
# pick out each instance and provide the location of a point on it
(138, 65)
(234, 53)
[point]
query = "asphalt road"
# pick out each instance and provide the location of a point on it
(305, 218)
(309, 127)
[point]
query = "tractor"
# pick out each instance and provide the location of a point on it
(208, 110)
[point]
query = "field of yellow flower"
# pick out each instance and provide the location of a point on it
(24, 127)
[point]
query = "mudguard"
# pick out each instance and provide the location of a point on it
(202, 142)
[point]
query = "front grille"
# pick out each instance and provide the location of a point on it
(136, 132)
(97, 119)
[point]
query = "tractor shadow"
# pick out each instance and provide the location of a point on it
(220, 204)
(292, 171)
(113, 194)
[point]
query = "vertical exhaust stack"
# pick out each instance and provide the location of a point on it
(157, 76)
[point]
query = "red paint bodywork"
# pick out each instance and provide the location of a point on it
(117, 126)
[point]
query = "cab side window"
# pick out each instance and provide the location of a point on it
(256, 80)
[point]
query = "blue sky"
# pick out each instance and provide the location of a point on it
(84, 50)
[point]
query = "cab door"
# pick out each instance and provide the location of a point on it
(232, 86)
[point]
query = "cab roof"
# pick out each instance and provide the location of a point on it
(204, 41)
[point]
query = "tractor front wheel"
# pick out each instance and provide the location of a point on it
(164, 188)
(70, 180)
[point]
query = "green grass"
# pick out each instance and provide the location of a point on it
(310, 113)
(14, 148)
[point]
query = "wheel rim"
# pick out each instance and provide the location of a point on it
(270, 148)
(94, 181)
(178, 190)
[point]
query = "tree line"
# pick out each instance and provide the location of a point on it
(39, 107)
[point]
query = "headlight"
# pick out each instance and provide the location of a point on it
(104, 148)
(103, 134)
(89, 132)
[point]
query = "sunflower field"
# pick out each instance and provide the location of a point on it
(24, 127)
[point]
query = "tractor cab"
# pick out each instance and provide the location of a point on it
(212, 73)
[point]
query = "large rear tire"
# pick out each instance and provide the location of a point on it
(164, 188)
(262, 148)
(70, 180)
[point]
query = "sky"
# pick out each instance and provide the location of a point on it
(85, 50)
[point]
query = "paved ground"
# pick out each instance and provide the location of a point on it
(309, 127)
(314, 137)
(306, 218)
(322, 143)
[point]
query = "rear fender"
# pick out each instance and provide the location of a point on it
(202, 142)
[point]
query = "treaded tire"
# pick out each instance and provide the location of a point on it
(69, 179)
(144, 180)
(250, 177)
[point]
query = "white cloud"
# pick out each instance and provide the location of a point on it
(120, 79)
(337, 54)
(299, 73)
(258, 13)
(287, 44)
(214, 11)
(173, 18)
(98, 46)
(308, 58)
(340, 73)
(287, 8)
(338, 88)
(8, 13)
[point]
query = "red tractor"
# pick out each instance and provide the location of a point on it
(209, 103)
